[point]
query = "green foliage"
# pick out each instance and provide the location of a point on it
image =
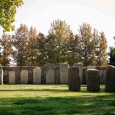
(41, 54)
(7, 13)
(59, 46)
(112, 56)
(101, 51)
(86, 44)
(20, 43)
(91, 47)
(6, 49)
(57, 42)
(31, 47)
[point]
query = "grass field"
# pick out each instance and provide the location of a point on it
(54, 100)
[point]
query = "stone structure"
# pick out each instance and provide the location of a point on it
(30, 75)
(91, 67)
(50, 73)
(64, 73)
(12, 77)
(60, 74)
(24, 77)
(43, 76)
(84, 74)
(74, 79)
(1, 76)
(110, 79)
(102, 74)
(37, 75)
(57, 75)
(80, 65)
(5, 77)
(93, 80)
(18, 74)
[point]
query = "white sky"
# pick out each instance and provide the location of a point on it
(40, 14)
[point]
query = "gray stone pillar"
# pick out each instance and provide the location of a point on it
(1, 76)
(102, 75)
(80, 65)
(50, 73)
(64, 73)
(12, 77)
(74, 79)
(37, 75)
(93, 80)
(24, 77)
(57, 75)
(110, 79)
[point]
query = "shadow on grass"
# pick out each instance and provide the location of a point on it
(55, 88)
(52, 88)
(35, 90)
(98, 105)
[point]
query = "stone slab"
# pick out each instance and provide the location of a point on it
(1, 76)
(12, 77)
(93, 80)
(74, 79)
(24, 77)
(80, 65)
(50, 73)
(64, 73)
(37, 75)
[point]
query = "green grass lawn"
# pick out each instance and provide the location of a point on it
(54, 100)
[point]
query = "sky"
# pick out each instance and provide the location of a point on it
(100, 14)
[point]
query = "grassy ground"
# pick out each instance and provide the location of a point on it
(54, 100)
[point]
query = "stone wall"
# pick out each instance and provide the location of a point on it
(49, 74)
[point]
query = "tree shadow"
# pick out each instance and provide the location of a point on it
(54, 89)
(98, 105)
(35, 90)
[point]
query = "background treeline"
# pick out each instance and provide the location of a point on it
(112, 55)
(27, 47)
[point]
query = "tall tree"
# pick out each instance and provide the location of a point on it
(57, 40)
(20, 43)
(41, 50)
(6, 48)
(112, 55)
(92, 46)
(7, 13)
(31, 47)
(86, 46)
(72, 53)
(101, 51)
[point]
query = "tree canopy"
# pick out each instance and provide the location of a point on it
(57, 40)
(91, 46)
(112, 55)
(7, 13)
(6, 49)
(32, 48)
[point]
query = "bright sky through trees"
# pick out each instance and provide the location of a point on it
(40, 14)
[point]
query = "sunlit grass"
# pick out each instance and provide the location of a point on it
(14, 91)
(53, 100)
